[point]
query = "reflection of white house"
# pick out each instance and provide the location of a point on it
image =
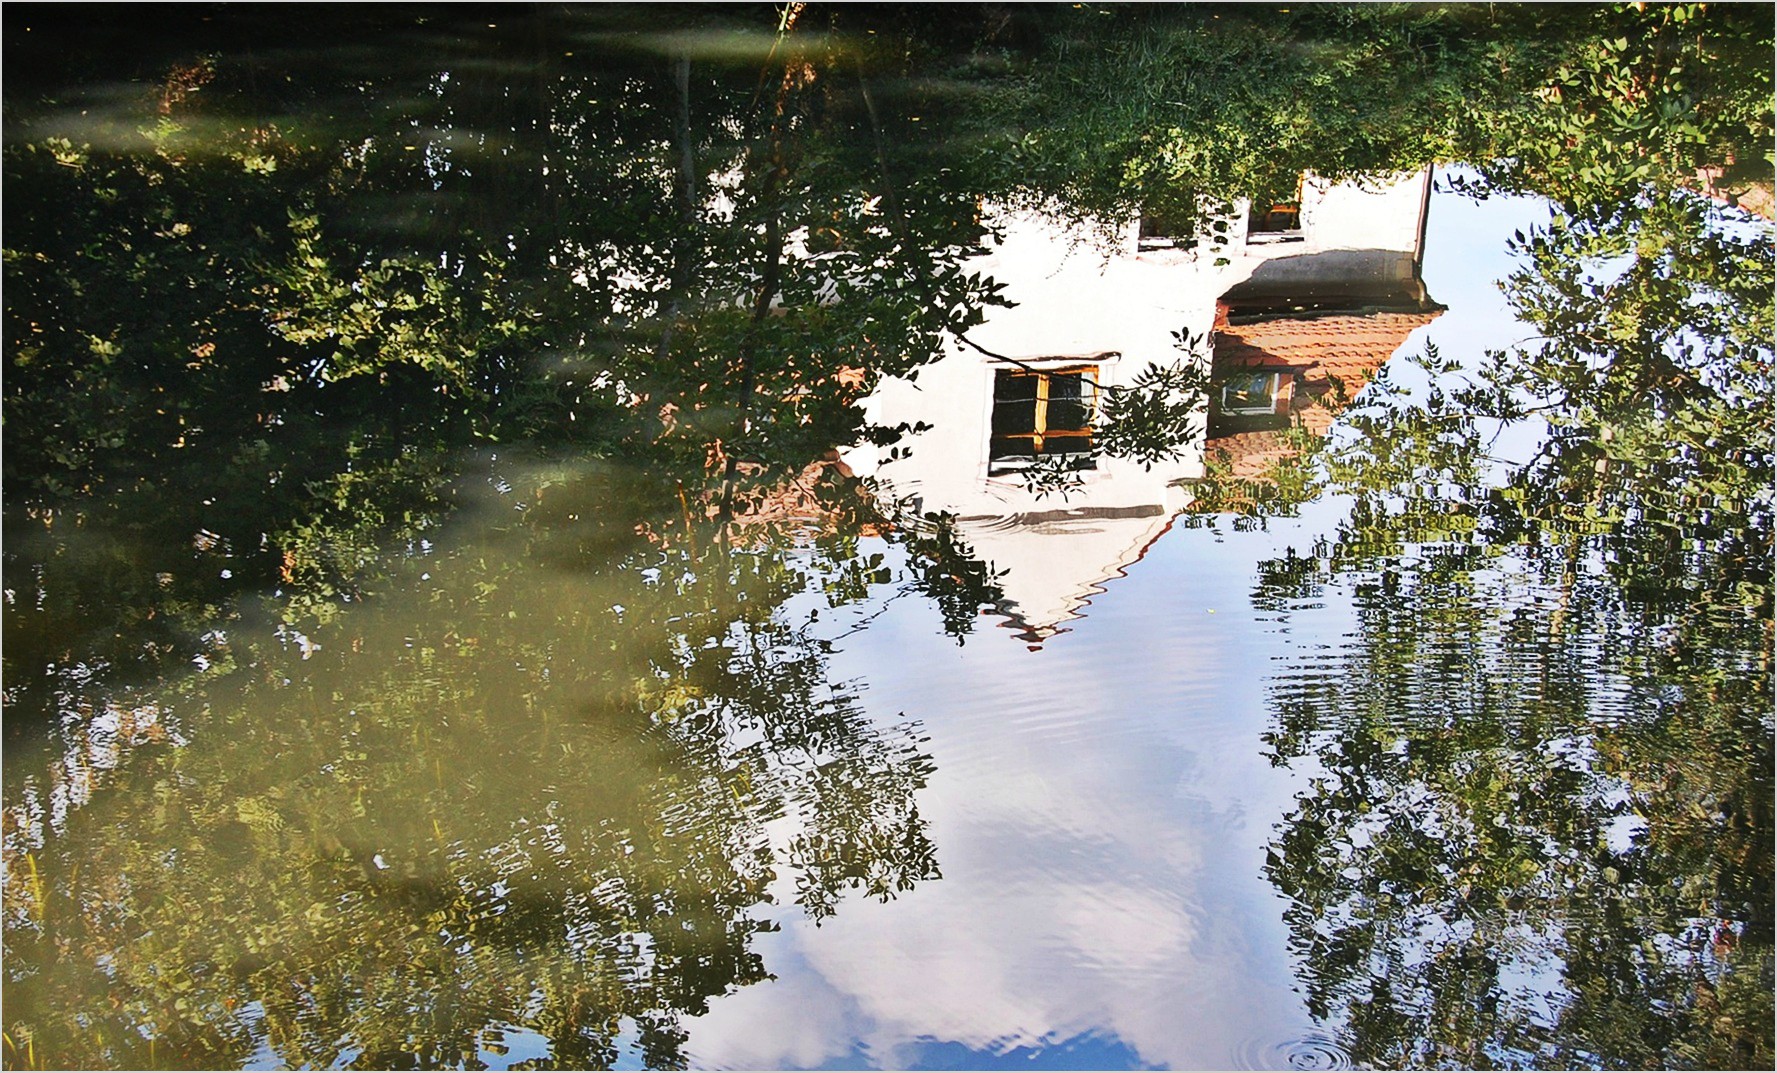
(1027, 384)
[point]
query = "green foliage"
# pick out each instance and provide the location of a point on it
(1173, 110)
(1621, 96)
(259, 308)
(1168, 109)
(399, 312)
(1157, 415)
(1278, 491)
(1662, 364)
(1549, 749)
(1483, 755)
(276, 310)
(510, 798)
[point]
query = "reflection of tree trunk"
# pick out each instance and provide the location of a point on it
(685, 194)
(1576, 540)
(687, 170)
(890, 202)
(768, 286)
(1570, 573)
(547, 188)
(769, 277)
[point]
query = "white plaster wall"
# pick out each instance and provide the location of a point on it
(1077, 295)
(1052, 568)
(1074, 299)
(1380, 215)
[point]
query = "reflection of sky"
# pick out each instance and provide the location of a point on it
(1100, 809)
(1465, 260)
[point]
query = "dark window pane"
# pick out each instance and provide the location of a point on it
(1014, 403)
(1247, 391)
(1067, 443)
(1070, 402)
(1068, 415)
(1009, 386)
(1010, 447)
(1168, 225)
(1014, 416)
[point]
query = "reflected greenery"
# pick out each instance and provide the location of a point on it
(286, 291)
(480, 755)
(1169, 109)
(644, 750)
(676, 242)
(1539, 831)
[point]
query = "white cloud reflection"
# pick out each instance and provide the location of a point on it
(1100, 809)
(1100, 873)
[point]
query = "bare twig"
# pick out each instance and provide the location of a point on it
(1104, 355)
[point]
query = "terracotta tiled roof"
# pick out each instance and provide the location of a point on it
(1333, 357)
(1343, 345)
(1250, 454)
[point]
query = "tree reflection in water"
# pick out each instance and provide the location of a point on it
(559, 800)
(260, 302)
(1538, 829)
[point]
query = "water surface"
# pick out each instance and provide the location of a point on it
(758, 538)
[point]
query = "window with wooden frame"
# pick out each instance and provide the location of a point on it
(1268, 222)
(1250, 391)
(1040, 414)
(1172, 228)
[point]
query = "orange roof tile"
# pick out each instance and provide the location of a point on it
(1333, 356)
(1341, 344)
(1250, 454)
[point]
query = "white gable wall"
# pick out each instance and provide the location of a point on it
(1076, 298)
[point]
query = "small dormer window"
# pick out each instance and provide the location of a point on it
(1164, 233)
(1175, 225)
(1275, 221)
(1250, 392)
(1042, 414)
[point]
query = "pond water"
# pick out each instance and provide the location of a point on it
(783, 538)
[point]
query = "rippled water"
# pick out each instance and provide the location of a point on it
(1098, 808)
(1438, 745)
